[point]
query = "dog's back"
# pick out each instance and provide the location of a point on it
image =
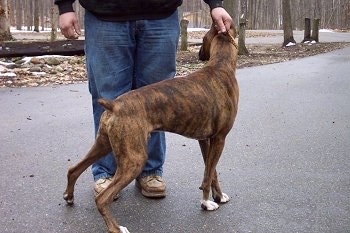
(192, 104)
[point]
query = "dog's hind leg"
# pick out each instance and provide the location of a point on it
(131, 151)
(100, 148)
(211, 151)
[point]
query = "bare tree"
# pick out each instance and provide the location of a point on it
(231, 7)
(287, 23)
(36, 15)
(262, 14)
(19, 14)
(5, 33)
(242, 49)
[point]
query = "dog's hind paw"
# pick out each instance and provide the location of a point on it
(123, 229)
(209, 205)
(225, 198)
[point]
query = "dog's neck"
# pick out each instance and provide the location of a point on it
(223, 52)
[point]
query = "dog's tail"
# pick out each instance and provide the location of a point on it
(107, 104)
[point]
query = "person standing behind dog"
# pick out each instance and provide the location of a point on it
(130, 44)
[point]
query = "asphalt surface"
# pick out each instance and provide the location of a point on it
(276, 37)
(324, 36)
(286, 164)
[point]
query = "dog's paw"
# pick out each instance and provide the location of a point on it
(69, 200)
(225, 198)
(124, 229)
(209, 205)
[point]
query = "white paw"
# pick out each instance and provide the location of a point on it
(123, 229)
(209, 205)
(225, 198)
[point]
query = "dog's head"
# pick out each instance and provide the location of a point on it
(204, 52)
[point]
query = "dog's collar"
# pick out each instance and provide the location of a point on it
(231, 38)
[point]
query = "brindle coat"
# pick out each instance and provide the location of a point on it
(201, 105)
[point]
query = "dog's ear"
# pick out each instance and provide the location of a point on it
(204, 52)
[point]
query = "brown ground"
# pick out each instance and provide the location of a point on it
(259, 55)
(71, 69)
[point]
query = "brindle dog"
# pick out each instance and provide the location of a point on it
(202, 105)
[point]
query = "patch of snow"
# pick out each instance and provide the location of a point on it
(8, 74)
(28, 59)
(2, 68)
(310, 42)
(197, 29)
(326, 30)
(290, 44)
(24, 29)
(2, 63)
(38, 73)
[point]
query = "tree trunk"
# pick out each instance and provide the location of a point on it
(183, 26)
(307, 30)
(54, 18)
(5, 33)
(242, 49)
(36, 15)
(287, 24)
(38, 48)
(315, 30)
(231, 7)
(19, 14)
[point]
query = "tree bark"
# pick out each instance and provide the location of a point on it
(5, 33)
(183, 26)
(38, 48)
(287, 23)
(307, 30)
(231, 7)
(54, 18)
(242, 49)
(315, 30)
(36, 15)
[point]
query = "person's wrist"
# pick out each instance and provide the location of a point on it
(215, 4)
(65, 7)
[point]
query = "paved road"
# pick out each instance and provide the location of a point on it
(286, 165)
(324, 36)
(276, 37)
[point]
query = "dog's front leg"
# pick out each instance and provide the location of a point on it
(217, 194)
(211, 151)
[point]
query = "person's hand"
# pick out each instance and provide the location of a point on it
(222, 20)
(69, 25)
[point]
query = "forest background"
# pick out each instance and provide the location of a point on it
(260, 14)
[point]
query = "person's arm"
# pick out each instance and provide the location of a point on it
(68, 21)
(64, 6)
(221, 19)
(214, 3)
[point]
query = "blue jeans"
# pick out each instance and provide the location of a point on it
(121, 56)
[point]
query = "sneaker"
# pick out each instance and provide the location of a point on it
(151, 186)
(101, 184)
